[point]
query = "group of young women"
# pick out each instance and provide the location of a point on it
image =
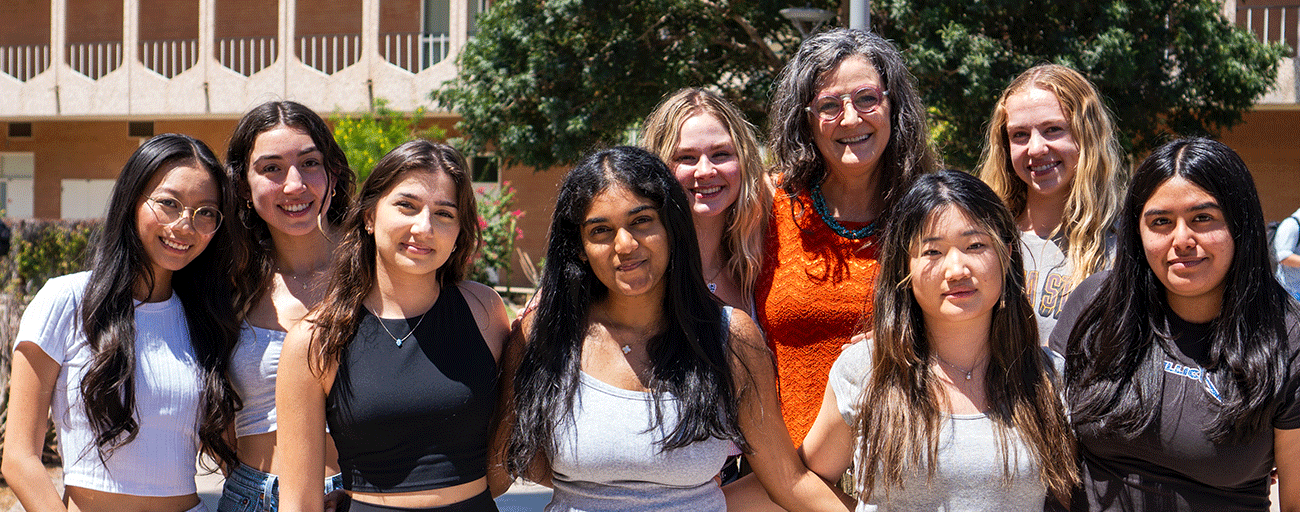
(885, 316)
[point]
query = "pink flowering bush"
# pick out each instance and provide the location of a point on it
(499, 222)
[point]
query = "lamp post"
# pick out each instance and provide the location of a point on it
(810, 17)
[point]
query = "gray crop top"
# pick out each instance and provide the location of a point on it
(253, 366)
(607, 458)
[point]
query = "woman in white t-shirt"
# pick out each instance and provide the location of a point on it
(129, 359)
(952, 405)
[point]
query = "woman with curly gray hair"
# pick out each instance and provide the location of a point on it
(848, 132)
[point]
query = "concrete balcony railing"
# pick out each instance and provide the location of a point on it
(169, 58)
(24, 61)
(414, 51)
(329, 53)
(1276, 24)
(246, 55)
(1272, 23)
(95, 59)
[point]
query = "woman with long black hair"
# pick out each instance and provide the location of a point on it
(635, 383)
(1182, 377)
(129, 359)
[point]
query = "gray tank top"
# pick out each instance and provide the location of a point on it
(608, 458)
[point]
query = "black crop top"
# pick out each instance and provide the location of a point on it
(414, 417)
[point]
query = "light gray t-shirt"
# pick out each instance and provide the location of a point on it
(969, 473)
(1047, 279)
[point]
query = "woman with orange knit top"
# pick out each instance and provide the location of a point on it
(849, 133)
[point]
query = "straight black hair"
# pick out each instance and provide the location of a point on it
(690, 359)
(118, 265)
(1116, 349)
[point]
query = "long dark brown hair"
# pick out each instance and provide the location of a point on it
(352, 272)
(900, 411)
(119, 265)
(255, 270)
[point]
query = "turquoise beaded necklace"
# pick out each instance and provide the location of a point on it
(819, 203)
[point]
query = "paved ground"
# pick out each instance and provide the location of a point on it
(521, 498)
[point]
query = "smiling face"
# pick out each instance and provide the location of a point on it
(1187, 244)
(415, 224)
(288, 180)
(172, 246)
(705, 162)
(853, 143)
(625, 243)
(1043, 151)
(956, 269)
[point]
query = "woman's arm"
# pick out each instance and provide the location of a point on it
(499, 479)
(31, 388)
(300, 403)
(828, 448)
(776, 464)
(1286, 454)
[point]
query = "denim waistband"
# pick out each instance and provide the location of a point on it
(265, 487)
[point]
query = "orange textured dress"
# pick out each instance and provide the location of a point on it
(813, 294)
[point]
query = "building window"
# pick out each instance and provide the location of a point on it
(484, 168)
(139, 129)
(20, 130)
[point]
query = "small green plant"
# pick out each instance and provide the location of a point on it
(44, 249)
(368, 137)
(499, 223)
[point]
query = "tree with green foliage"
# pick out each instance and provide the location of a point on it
(1165, 68)
(545, 81)
(368, 137)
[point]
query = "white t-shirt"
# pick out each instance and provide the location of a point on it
(160, 461)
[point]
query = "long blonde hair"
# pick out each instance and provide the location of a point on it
(1094, 198)
(742, 242)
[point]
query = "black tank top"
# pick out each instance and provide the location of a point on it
(415, 416)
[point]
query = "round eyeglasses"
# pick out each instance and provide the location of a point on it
(205, 219)
(865, 100)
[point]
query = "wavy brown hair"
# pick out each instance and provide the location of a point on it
(256, 269)
(900, 411)
(352, 272)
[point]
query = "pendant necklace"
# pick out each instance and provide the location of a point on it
(713, 286)
(390, 333)
(958, 368)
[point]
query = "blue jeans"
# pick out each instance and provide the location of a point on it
(250, 490)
